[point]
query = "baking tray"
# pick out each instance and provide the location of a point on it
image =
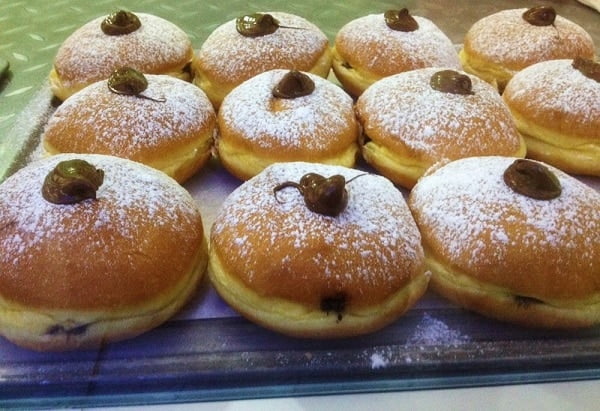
(207, 352)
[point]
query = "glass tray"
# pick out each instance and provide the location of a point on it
(207, 352)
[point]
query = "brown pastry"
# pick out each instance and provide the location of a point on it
(512, 239)
(556, 106)
(283, 115)
(94, 249)
(499, 45)
(158, 120)
(142, 41)
(244, 47)
(414, 119)
(379, 45)
(317, 251)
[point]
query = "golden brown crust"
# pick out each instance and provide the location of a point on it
(486, 243)
(366, 50)
(226, 58)
(174, 135)
(301, 320)
(130, 257)
(557, 110)
(157, 47)
(257, 129)
(294, 257)
(409, 126)
(522, 45)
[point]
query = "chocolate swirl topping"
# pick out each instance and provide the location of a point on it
(450, 81)
(400, 20)
(532, 179)
(119, 23)
(294, 84)
(540, 16)
(327, 196)
(71, 182)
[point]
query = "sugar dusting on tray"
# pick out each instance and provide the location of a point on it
(429, 334)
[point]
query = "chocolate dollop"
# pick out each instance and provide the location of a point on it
(72, 181)
(119, 23)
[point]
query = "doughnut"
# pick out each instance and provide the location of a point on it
(93, 51)
(317, 251)
(170, 124)
(94, 249)
(513, 239)
(556, 106)
(414, 119)
(312, 121)
(379, 45)
(501, 44)
(269, 41)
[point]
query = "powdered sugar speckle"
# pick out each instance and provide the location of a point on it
(130, 126)
(432, 331)
(468, 212)
(554, 88)
(410, 115)
(89, 55)
(427, 46)
(296, 124)
(376, 219)
(128, 185)
(235, 58)
(506, 38)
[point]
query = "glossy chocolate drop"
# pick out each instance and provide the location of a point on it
(72, 181)
(294, 84)
(540, 16)
(327, 196)
(127, 81)
(256, 25)
(400, 20)
(450, 81)
(119, 23)
(588, 68)
(532, 179)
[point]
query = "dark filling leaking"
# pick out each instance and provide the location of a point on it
(524, 302)
(60, 329)
(336, 303)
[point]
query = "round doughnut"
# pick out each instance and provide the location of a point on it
(227, 58)
(522, 44)
(169, 126)
(408, 125)
(89, 55)
(509, 256)
(257, 129)
(82, 274)
(367, 49)
(557, 110)
(313, 274)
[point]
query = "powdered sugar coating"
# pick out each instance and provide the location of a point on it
(506, 38)
(474, 220)
(554, 88)
(404, 112)
(386, 49)
(89, 55)
(316, 122)
(131, 126)
(131, 195)
(233, 58)
(282, 226)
